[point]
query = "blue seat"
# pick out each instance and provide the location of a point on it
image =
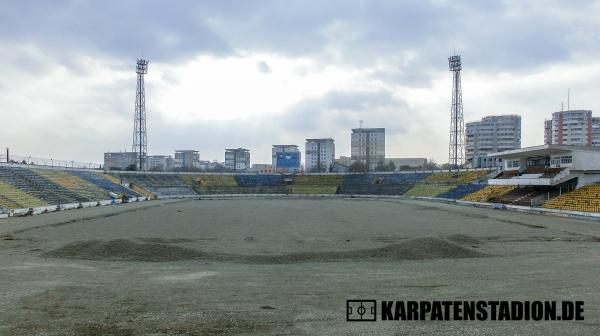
(462, 190)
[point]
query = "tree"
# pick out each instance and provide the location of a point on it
(383, 167)
(430, 165)
(357, 166)
(157, 168)
(131, 167)
(391, 166)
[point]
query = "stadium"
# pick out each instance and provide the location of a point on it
(236, 254)
(358, 231)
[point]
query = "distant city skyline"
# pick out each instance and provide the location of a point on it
(293, 72)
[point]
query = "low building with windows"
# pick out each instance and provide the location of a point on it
(549, 165)
(237, 159)
(159, 162)
(119, 160)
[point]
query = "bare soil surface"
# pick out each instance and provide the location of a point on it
(286, 267)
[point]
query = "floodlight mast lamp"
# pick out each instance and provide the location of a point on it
(140, 144)
(456, 155)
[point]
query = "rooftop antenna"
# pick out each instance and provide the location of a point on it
(569, 99)
(360, 122)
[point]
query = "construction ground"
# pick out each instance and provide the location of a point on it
(278, 266)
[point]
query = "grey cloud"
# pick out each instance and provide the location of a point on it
(331, 115)
(263, 67)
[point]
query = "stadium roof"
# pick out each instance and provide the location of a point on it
(544, 150)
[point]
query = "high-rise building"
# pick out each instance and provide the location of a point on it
(319, 154)
(490, 135)
(368, 146)
(186, 159)
(286, 158)
(120, 160)
(237, 159)
(573, 127)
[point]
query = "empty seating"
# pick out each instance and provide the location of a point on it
(38, 186)
(520, 196)
(12, 197)
(586, 198)
(487, 193)
(380, 184)
(105, 181)
(158, 184)
(316, 184)
(211, 184)
(440, 183)
(72, 182)
(259, 180)
(462, 190)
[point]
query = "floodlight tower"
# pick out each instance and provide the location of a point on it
(457, 124)
(140, 145)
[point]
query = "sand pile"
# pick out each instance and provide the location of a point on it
(414, 249)
(122, 249)
(126, 250)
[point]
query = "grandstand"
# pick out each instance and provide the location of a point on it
(27, 187)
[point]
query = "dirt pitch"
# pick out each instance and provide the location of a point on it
(286, 267)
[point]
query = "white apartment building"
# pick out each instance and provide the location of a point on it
(320, 154)
(573, 127)
(491, 135)
(368, 146)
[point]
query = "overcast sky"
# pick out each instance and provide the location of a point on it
(255, 73)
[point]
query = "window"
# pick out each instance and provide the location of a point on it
(566, 159)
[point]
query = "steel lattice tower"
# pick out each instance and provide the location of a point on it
(456, 156)
(140, 144)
